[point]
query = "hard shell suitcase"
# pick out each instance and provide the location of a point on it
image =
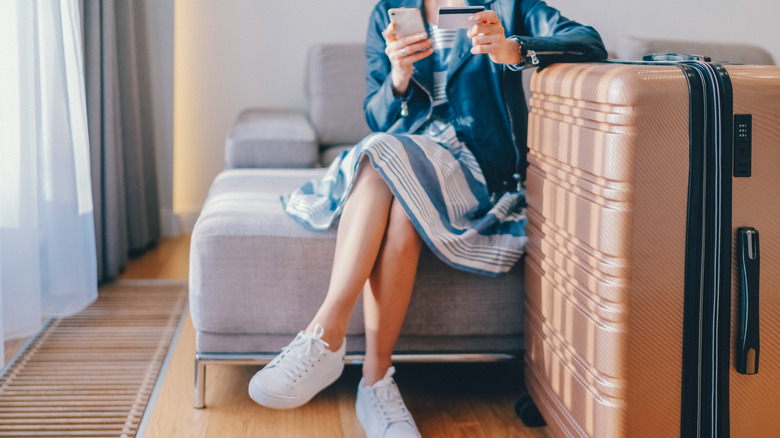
(654, 204)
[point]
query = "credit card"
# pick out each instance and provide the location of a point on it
(457, 17)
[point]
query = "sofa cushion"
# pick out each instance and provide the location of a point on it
(271, 138)
(329, 153)
(259, 275)
(335, 86)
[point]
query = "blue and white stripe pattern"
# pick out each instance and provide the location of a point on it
(442, 191)
(443, 42)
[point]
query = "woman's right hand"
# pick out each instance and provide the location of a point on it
(403, 53)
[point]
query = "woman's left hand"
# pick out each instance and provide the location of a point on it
(487, 36)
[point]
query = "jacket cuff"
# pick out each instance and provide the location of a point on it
(521, 65)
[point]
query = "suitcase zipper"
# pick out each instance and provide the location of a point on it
(720, 262)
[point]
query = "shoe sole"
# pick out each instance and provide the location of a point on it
(279, 402)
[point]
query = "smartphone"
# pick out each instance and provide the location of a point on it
(408, 21)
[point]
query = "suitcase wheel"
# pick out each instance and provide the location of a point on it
(528, 413)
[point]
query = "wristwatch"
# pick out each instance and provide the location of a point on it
(520, 52)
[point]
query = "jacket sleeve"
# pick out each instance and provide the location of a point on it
(551, 37)
(381, 106)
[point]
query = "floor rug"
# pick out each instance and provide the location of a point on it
(93, 374)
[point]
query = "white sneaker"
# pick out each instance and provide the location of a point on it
(382, 411)
(298, 373)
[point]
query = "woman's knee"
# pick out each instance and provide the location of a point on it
(369, 185)
(367, 175)
(369, 189)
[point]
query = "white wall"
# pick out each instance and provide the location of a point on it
(234, 54)
(746, 21)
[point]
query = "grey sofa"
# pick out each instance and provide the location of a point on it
(257, 276)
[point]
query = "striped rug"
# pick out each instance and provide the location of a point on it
(93, 374)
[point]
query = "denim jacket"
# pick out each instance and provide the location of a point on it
(486, 99)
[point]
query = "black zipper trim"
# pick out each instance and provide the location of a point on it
(705, 404)
(694, 253)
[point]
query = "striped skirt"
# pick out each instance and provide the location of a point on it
(440, 186)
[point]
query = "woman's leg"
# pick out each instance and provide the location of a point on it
(360, 233)
(387, 299)
(314, 360)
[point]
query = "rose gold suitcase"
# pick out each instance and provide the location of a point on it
(654, 216)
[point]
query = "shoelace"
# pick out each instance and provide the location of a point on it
(301, 351)
(390, 402)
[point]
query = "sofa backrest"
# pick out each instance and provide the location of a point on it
(336, 88)
(634, 48)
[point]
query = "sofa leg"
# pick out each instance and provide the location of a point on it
(200, 384)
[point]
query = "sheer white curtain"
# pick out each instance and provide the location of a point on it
(47, 238)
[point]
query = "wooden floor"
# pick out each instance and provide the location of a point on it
(447, 400)
(170, 259)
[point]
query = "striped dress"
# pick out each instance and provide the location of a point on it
(436, 179)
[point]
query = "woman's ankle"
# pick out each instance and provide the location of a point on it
(334, 337)
(374, 371)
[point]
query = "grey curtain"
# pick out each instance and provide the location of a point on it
(121, 131)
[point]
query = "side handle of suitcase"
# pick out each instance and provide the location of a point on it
(749, 264)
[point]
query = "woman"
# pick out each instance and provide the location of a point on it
(446, 169)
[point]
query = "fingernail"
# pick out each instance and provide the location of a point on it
(422, 35)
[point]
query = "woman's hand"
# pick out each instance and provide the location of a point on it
(403, 53)
(487, 36)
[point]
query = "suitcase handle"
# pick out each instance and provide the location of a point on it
(675, 57)
(749, 263)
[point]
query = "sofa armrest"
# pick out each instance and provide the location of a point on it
(271, 138)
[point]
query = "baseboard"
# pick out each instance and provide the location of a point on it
(187, 220)
(176, 223)
(171, 226)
